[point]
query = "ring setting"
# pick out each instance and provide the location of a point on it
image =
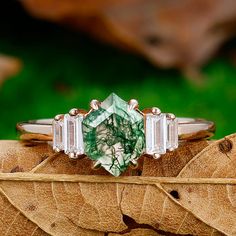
(115, 133)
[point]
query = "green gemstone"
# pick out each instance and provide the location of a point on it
(114, 135)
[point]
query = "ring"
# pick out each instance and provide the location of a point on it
(115, 133)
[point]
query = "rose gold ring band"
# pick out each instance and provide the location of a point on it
(188, 129)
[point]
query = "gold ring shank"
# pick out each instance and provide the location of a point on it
(188, 129)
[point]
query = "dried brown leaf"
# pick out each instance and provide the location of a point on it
(147, 205)
(9, 66)
(183, 34)
(139, 232)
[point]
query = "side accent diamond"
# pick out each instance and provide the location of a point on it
(58, 135)
(73, 140)
(79, 131)
(172, 134)
(156, 134)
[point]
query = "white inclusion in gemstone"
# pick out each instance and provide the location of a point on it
(73, 134)
(172, 134)
(58, 135)
(156, 134)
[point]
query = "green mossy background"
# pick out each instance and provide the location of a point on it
(64, 69)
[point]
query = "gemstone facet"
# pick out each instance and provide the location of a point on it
(73, 136)
(58, 135)
(156, 134)
(114, 135)
(161, 133)
(172, 134)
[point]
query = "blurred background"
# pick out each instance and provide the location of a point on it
(177, 55)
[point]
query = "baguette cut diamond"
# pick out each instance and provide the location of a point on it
(58, 135)
(172, 134)
(79, 131)
(156, 134)
(73, 136)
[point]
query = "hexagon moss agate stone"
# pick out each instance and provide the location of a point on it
(114, 135)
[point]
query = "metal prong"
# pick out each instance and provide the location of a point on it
(156, 156)
(133, 104)
(156, 111)
(56, 149)
(74, 112)
(72, 155)
(58, 117)
(95, 104)
(171, 149)
(96, 165)
(134, 163)
(171, 116)
(80, 156)
(79, 153)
